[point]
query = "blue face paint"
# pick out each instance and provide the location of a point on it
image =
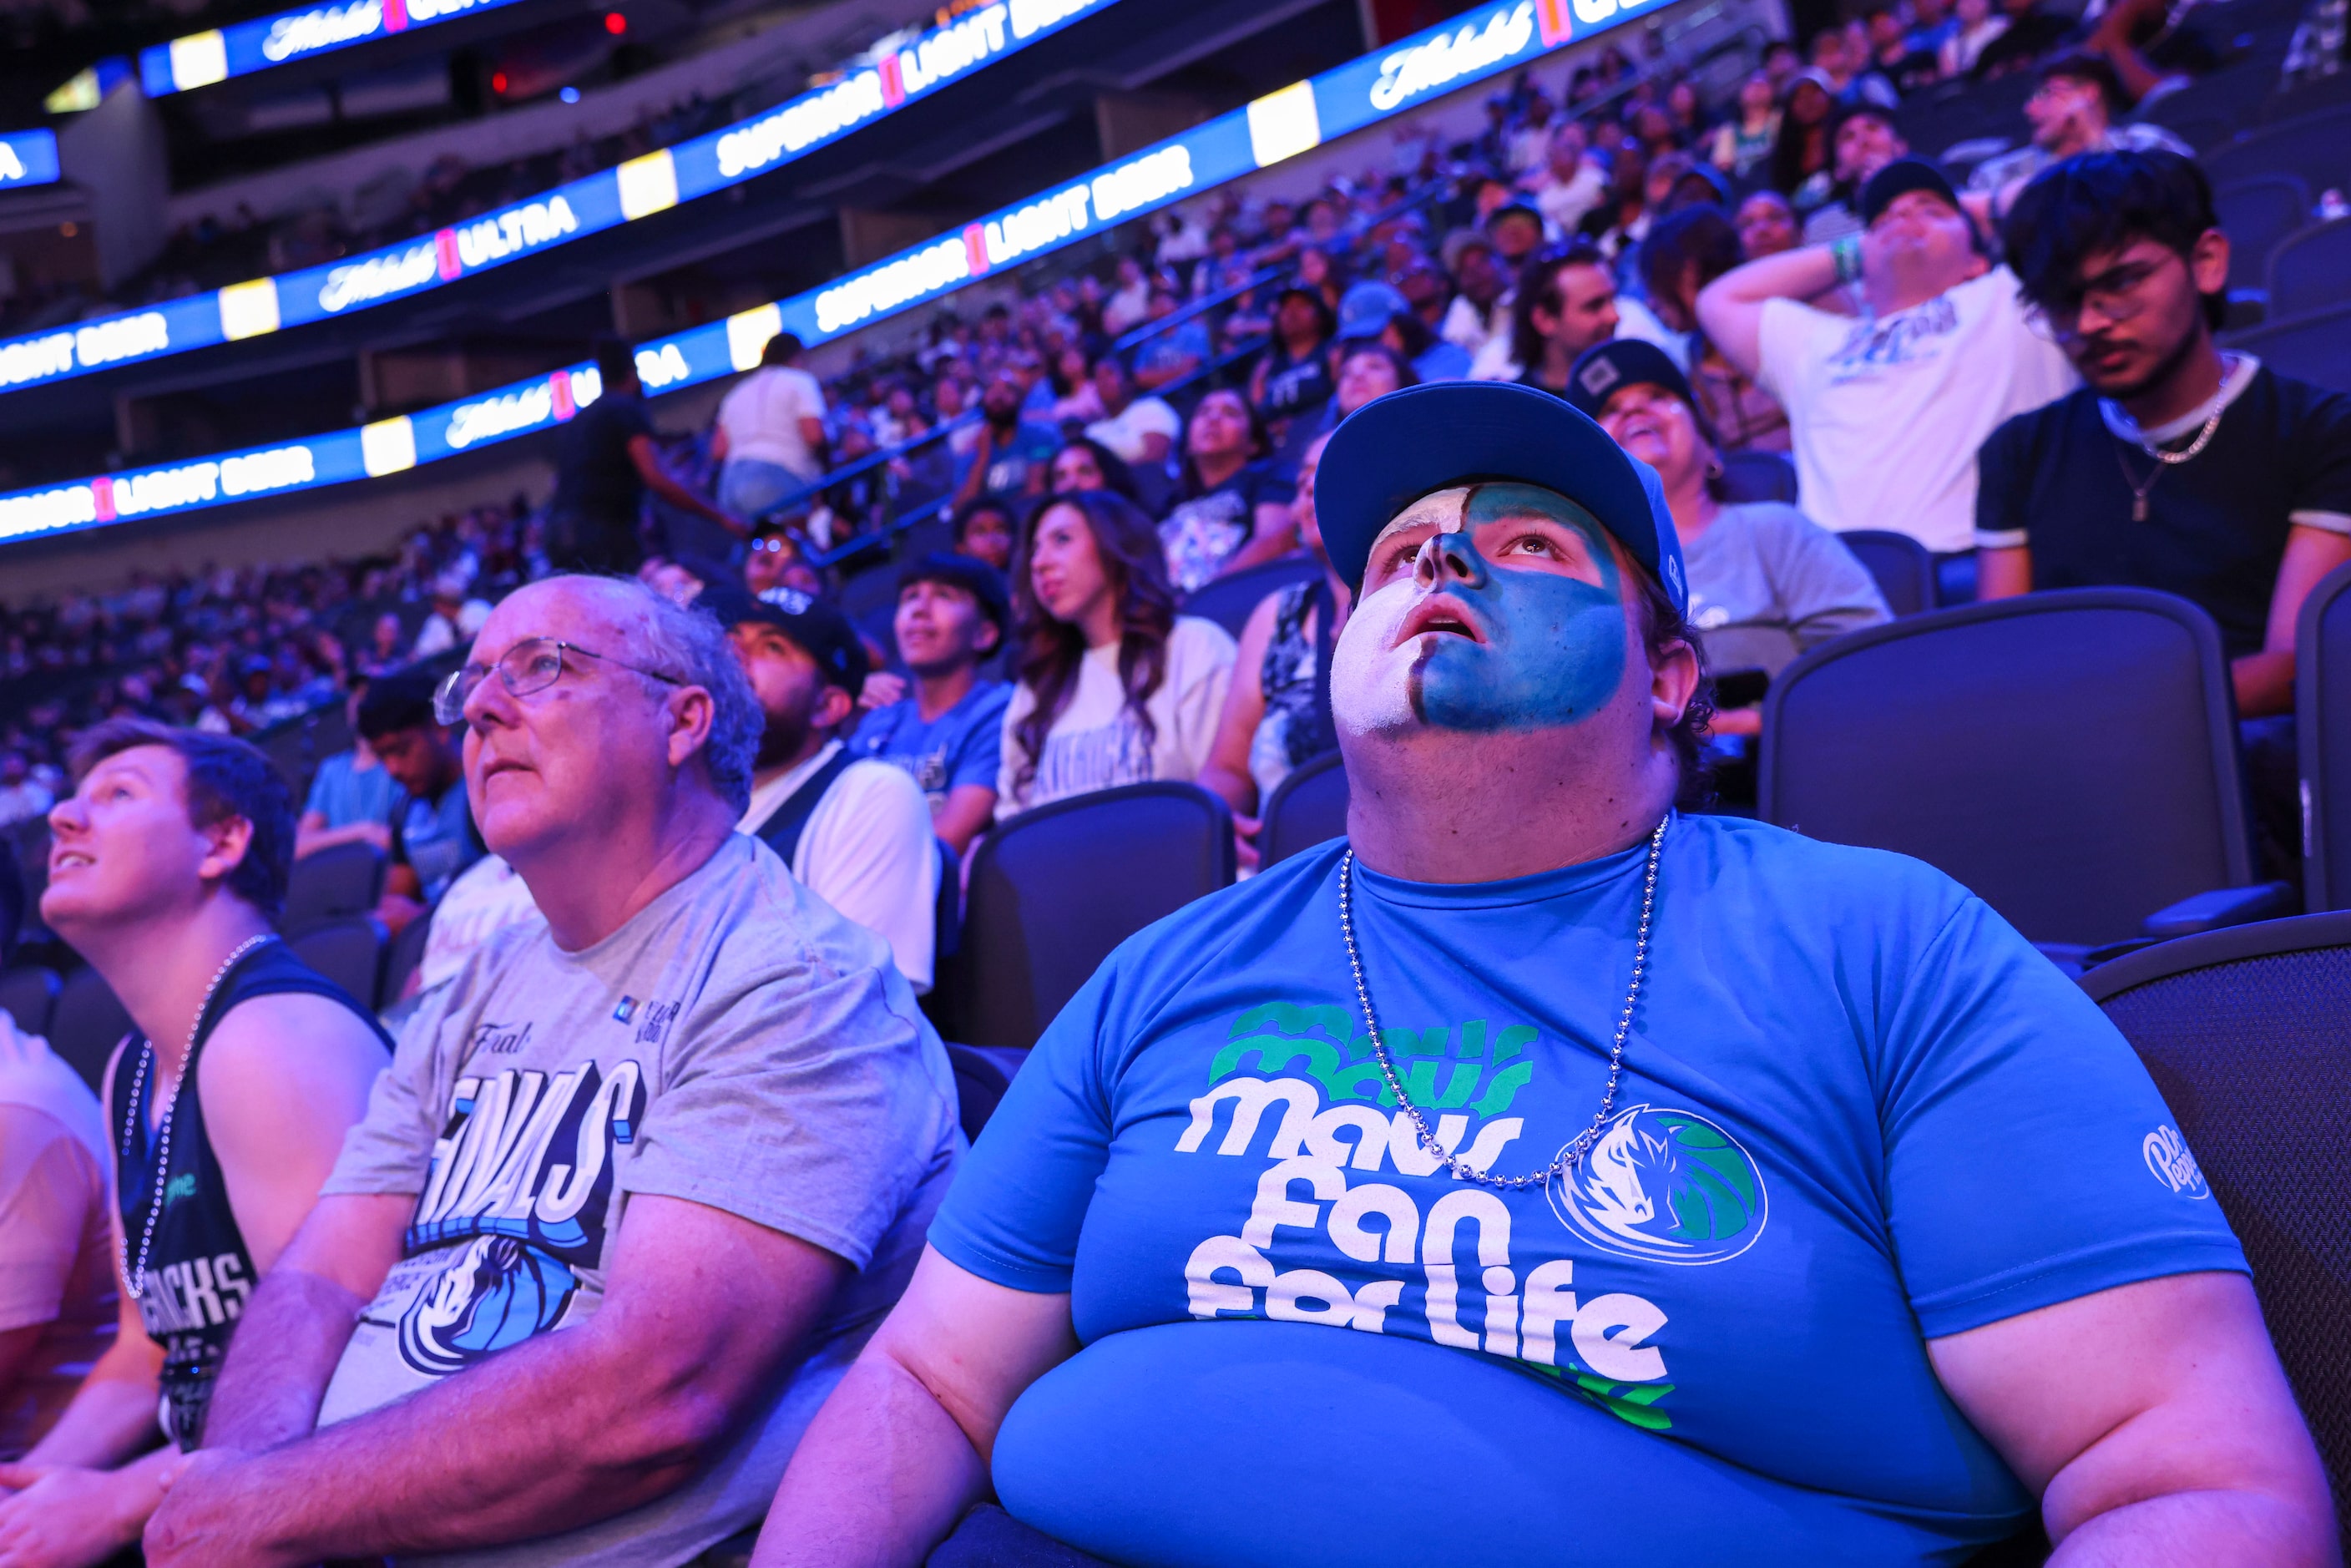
(1554, 648)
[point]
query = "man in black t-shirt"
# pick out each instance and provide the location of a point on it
(605, 461)
(2176, 466)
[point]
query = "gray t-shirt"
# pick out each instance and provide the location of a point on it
(737, 1043)
(1766, 583)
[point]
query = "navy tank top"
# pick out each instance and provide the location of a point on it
(199, 1274)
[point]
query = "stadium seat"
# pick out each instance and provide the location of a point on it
(1759, 476)
(1054, 891)
(2317, 147)
(2070, 756)
(2311, 271)
(2314, 348)
(2257, 214)
(981, 1083)
(1306, 808)
(2209, 110)
(2322, 704)
(333, 883)
(400, 958)
(1904, 567)
(1228, 600)
(85, 1024)
(347, 952)
(29, 994)
(2242, 1031)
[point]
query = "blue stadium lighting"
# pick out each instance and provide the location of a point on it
(597, 201)
(1486, 42)
(569, 95)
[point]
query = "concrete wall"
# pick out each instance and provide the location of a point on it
(115, 153)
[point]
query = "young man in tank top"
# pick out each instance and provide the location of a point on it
(226, 1106)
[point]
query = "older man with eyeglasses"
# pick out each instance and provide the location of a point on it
(695, 1122)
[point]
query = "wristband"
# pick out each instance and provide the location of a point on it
(1845, 250)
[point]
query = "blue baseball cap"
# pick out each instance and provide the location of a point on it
(1394, 450)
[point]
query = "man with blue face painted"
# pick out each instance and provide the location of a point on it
(1544, 1175)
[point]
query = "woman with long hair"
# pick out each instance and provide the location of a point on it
(1801, 157)
(1115, 686)
(1232, 507)
(1085, 464)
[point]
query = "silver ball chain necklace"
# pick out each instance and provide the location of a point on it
(1581, 1145)
(135, 1279)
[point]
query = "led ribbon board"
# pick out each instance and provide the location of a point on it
(1298, 117)
(203, 58)
(604, 200)
(28, 158)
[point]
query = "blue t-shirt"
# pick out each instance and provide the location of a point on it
(962, 745)
(1858, 1111)
(344, 794)
(435, 839)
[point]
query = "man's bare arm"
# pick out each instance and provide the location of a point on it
(902, 1447)
(702, 1310)
(1730, 309)
(296, 1324)
(2264, 681)
(968, 809)
(2003, 572)
(2155, 1423)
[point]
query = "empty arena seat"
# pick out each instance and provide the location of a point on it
(2317, 147)
(1305, 809)
(1904, 567)
(2242, 1031)
(333, 883)
(980, 1084)
(86, 1023)
(2322, 704)
(1056, 889)
(347, 952)
(2257, 214)
(2070, 756)
(1759, 476)
(2314, 348)
(29, 994)
(402, 956)
(2311, 271)
(1228, 600)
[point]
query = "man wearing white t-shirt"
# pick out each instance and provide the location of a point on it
(856, 831)
(1886, 412)
(1140, 429)
(770, 431)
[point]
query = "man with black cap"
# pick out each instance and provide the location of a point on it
(948, 732)
(1538, 1137)
(1885, 413)
(1862, 139)
(856, 833)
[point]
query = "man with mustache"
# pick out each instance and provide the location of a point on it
(1349, 1287)
(2176, 466)
(638, 1181)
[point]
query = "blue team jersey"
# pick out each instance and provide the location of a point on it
(1858, 1112)
(962, 745)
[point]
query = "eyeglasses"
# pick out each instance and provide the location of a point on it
(775, 544)
(2114, 294)
(531, 665)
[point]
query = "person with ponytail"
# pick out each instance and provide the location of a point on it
(1115, 686)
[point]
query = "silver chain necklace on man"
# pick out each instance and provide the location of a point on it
(2164, 459)
(1578, 1147)
(135, 1280)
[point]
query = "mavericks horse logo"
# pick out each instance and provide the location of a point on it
(498, 1292)
(1668, 1187)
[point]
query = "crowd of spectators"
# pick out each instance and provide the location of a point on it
(1612, 204)
(1798, 328)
